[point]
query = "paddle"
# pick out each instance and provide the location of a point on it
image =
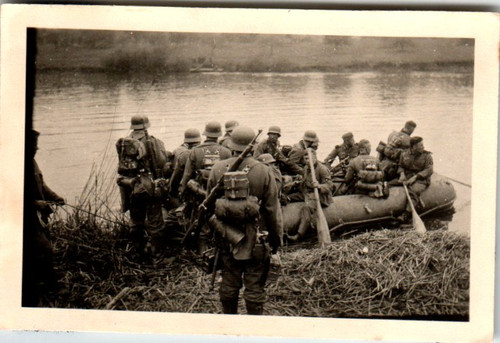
(322, 224)
(418, 224)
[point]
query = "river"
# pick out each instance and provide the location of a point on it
(81, 115)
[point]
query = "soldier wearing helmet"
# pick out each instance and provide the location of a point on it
(306, 194)
(296, 156)
(230, 125)
(345, 152)
(363, 174)
(248, 265)
(415, 170)
(192, 138)
(142, 162)
(397, 142)
(198, 165)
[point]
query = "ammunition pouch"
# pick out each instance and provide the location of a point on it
(126, 182)
(237, 211)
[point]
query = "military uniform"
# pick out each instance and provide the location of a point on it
(141, 197)
(342, 151)
(296, 157)
(397, 142)
(38, 272)
(420, 165)
(196, 168)
(307, 217)
(181, 155)
(252, 273)
(370, 184)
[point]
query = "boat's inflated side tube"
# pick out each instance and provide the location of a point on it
(350, 209)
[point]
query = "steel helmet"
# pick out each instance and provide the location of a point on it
(266, 158)
(213, 129)
(274, 129)
(192, 136)
(310, 136)
(230, 125)
(139, 122)
(240, 138)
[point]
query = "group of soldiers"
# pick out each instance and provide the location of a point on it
(227, 191)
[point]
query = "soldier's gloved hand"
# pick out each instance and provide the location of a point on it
(316, 184)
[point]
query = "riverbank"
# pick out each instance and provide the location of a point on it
(378, 274)
(125, 52)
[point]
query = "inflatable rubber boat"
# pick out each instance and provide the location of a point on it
(358, 210)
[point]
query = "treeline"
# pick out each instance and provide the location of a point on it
(127, 51)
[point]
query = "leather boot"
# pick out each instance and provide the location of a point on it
(254, 308)
(230, 306)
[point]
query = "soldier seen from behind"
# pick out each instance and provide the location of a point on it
(141, 163)
(248, 225)
(39, 276)
(415, 171)
(345, 152)
(389, 154)
(363, 174)
(194, 180)
(323, 184)
(192, 138)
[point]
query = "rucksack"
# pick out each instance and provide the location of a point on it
(130, 152)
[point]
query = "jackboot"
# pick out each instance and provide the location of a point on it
(230, 306)
(254, 308)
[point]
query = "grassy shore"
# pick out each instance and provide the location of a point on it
(379, 274)
(182, 52)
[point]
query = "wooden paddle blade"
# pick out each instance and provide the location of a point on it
(418, 224)
(323, 229)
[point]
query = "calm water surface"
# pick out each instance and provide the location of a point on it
(81, 115)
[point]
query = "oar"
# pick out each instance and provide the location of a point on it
(418, 224)
(322, 224)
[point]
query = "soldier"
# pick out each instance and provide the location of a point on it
(246, 261)
(230, 125)
(270, 145)
(296, 156)
(192, 138)
(363, 174)
(390, 153)
(194, 180)
(323, 184)
(142, 160)
(345, 153)
(415, 170)
(38, 271)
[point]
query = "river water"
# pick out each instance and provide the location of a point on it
(81, 115)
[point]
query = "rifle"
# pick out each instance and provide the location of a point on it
(152, 156)
(341, 165)
(210, 199)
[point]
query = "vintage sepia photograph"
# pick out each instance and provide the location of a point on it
(186, 170)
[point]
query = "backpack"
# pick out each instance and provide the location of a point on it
(208, 161)
(130, 152)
